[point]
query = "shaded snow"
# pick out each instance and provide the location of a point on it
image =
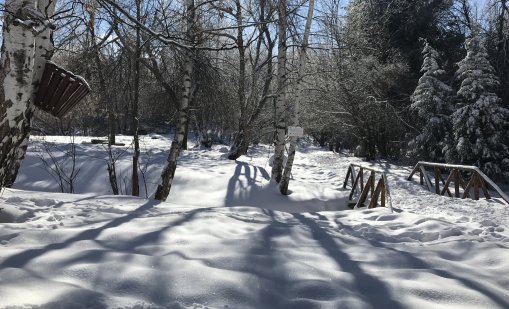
(228, 239)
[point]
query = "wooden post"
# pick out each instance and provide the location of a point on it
(372, 183)
(364, 193)
(437, 180)
(457, 176)
(467, 189)
(354, 186)
(361, 171)
(475, 180)
(416, 168)
(426, 178)
(446, 184)
(348, 173)
(382, 201)
(484, 188)
(375, 194)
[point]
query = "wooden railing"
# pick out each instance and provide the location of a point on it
(380, 192)
(477, 183)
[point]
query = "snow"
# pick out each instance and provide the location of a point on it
(227, 239)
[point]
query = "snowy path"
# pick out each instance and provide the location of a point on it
(212, 249)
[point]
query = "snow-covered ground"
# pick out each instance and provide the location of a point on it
(227, 239)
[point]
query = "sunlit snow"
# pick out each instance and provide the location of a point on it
(227, 239)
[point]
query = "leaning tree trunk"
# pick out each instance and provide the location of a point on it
(279, 142)
(17, 79)
(283, 185)
(163, 189)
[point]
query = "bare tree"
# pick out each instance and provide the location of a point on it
(163, 189)
(283, 185)
(280, 101)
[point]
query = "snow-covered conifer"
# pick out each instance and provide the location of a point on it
(431, 101)
(480, 123)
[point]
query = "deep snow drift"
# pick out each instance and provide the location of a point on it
(227, 239)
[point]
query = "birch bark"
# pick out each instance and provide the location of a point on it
(17, 79)
(279, 141)
(283, 185)
(163, 189)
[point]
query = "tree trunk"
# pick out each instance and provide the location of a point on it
(16, 84)
(135, 185)
(163, 189)
(280, 125)
(283, 186)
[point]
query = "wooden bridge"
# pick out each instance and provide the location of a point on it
(469, 181)
(379, 193)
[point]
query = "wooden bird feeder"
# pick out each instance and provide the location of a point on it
(60, 90)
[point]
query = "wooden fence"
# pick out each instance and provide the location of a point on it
(469, 181)
(356, 175)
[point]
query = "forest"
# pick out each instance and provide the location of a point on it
(390, 79)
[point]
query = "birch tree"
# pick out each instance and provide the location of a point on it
(163, 189)
(280, 124)
(283, 186)
(25, 36)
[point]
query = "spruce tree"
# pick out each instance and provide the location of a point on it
(431, 101)
(480, 123)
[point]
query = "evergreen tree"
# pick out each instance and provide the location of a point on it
(480, 124)
(431, 100)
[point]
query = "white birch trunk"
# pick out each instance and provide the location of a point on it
(283, 185)
(279, 142)
(16, 92)
(163, 189)
(44, 48)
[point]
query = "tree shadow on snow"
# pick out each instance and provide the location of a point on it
(245, 189)
(19, 260)
(412, 262)
(371, 289)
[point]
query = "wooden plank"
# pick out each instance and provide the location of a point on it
(372, 183)
(475, 180)
(63, 102)
(361, 171)
(78, 95)
(43, 86)
(376, 194)
(364, 194)
(463, 185)
(437, 180)
(484, 188)
(493, 185)
(354, 186)
(53, 84)
(457, 176)
(62, 86)
(443, 182)
(447, 182)
(387, 191)
(416, 168)
(352, 176)
(382, 200)
(69, 91)
(426, 178)
(467, 188)
(348, 172)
